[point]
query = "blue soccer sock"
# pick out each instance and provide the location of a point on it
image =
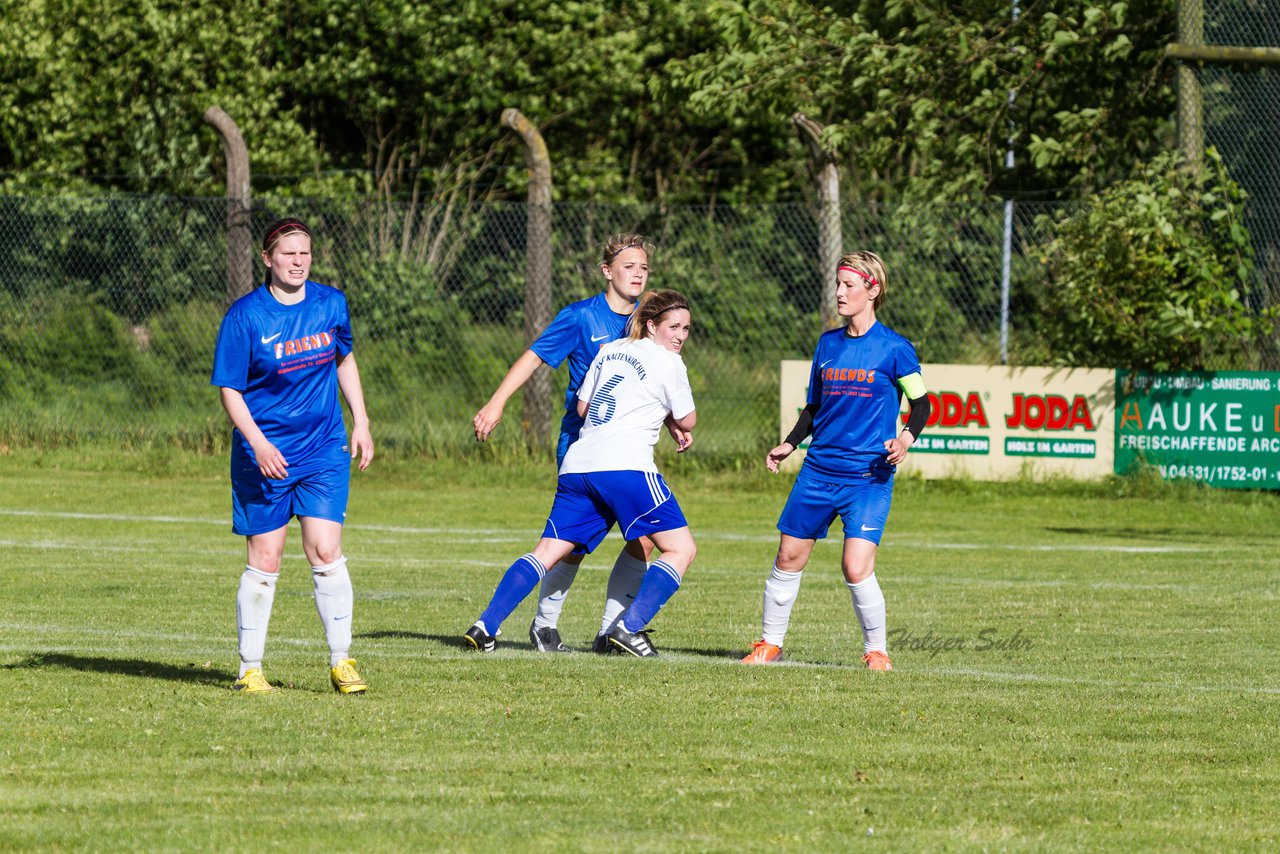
(660, 583)
(517, 583)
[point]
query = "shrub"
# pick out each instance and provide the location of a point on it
(1152, 274)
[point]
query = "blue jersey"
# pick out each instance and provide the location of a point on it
(577, 333)
(283, 359)
(854, 382)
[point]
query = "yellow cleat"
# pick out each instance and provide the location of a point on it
(346, 679)
(253, 682)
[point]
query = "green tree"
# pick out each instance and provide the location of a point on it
(915, 96)
(1152, 274)
(664, 101)
(414, 90)
(115, 91)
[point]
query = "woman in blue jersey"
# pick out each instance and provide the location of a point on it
(283, 354)
(608, 476)
(577, 334)
(859, 372)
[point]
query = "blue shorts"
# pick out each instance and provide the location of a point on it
(861, 501)
(317, 489)
(588, 505)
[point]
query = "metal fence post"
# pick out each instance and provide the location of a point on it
(1006, 249)
(537, 290)
(1190, 97)
(239, 241)
(829, 239)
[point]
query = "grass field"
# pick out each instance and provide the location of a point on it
(1077, 668)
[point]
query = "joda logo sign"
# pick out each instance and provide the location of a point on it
(1048, 412)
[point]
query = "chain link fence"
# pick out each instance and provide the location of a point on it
(1241, 118)
(109, 307)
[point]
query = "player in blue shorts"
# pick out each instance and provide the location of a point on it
(283, 353)
(608, 476)
(576, 335)
(859, 371)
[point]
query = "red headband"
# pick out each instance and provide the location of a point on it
(858, 272)
(296, 226)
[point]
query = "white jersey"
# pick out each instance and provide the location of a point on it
(630, 387)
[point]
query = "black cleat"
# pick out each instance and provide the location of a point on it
(637, 644)
(480, 641)
(546, 639)
(601, 646)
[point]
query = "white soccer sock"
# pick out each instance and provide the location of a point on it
(780, 593)
(868, 602)
(555, 586)
(253, 613)
(333, 603)
(624, 582)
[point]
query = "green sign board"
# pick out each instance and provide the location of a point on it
(1220, 428)
(927, 444)
(1081, 448)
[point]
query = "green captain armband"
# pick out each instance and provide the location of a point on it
(913, 386)
(918, 397)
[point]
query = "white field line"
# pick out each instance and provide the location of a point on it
(373, 649)
(233, 553)
(500, 535)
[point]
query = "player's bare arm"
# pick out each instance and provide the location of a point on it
(777, 455)
(683, 438)
(353, 393)
(800, 432)
(517, 375)
(271, 462)
(898, 446)
(686, 422)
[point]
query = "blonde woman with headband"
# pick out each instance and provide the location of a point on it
(860, 371)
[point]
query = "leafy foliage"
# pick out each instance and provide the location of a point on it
(1153, 273)
(116, 90)
(662, 101)
(916, 96)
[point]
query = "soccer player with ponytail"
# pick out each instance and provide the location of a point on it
(608, 476)
(578, 332)
(859, 372)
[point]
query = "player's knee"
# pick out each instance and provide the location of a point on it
(681, 553)
(268, 562)
(327, 553)
(858, 572)
(642, 549)
(790, 561)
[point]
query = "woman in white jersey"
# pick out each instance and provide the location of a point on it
(574, 338)
(608, 476)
